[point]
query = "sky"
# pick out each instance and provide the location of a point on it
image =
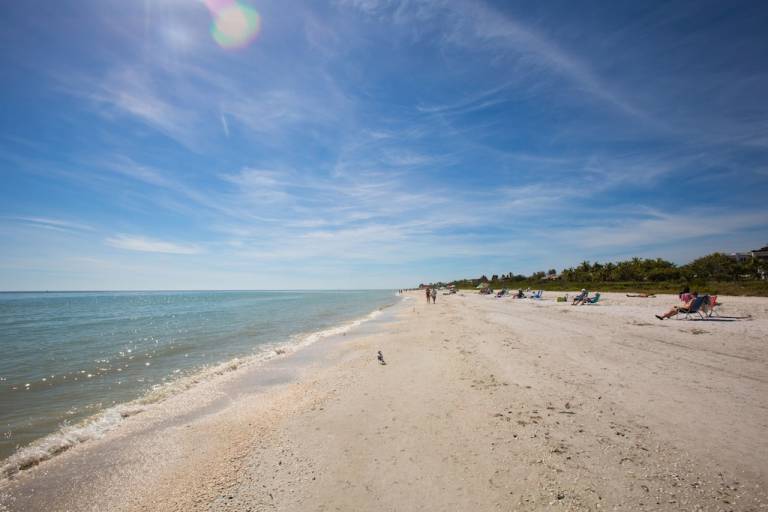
(222, 144)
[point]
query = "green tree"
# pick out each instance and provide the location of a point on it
(715, 266)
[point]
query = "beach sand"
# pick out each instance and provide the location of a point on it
(484, 404)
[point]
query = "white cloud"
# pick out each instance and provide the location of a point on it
(476, 25)
(469, 103)
(141, 244)
(658, 228)
(225, 125)
(56, 224)
(135, 91)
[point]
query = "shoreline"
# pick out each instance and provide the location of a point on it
(97, 425)
(484, 404)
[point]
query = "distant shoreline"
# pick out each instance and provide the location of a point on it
(210, 291)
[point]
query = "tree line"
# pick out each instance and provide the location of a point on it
(713, 267)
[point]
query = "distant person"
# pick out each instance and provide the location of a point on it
(580, 297)
(427, 290)
(434, 296)
(520, 294)
(685, 308)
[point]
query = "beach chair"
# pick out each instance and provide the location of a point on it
(695, 308)
(593, 300)
(579, 297)
(537, 294)
(710, 307)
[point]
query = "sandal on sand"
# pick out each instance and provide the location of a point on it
(659, 317)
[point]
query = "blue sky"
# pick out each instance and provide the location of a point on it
(374, 143)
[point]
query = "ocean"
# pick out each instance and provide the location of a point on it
(71, 363)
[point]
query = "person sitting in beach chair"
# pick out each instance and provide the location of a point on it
(580, 297)
(519, 294)
(692, 306)
(697, 307)
(593, 300)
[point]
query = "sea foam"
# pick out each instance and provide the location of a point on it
(98, 425)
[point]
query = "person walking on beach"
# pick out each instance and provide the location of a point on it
(427, 290)
(434, 296)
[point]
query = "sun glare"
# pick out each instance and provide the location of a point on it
(235, 25)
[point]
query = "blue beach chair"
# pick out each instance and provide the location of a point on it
(695, 308)
(593, 300)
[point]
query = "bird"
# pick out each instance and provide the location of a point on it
(380, 357)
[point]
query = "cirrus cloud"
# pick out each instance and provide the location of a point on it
(142, 244)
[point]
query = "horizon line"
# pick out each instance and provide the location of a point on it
(207, 290)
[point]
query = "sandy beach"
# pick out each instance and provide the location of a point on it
(484, 404)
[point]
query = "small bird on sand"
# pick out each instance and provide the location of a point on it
(380, 357)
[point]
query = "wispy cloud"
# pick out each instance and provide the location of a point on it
(134, 92)
(225, 125)
(475, 24)
(142, 244)
(55, 224)
(281, 110)
(662, 227)
(470, 103)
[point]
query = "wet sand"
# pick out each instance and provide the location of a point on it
(485, 404)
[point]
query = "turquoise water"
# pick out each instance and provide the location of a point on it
(68, 356)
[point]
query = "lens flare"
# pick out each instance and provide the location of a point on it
(235, 25)
(216, 5)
